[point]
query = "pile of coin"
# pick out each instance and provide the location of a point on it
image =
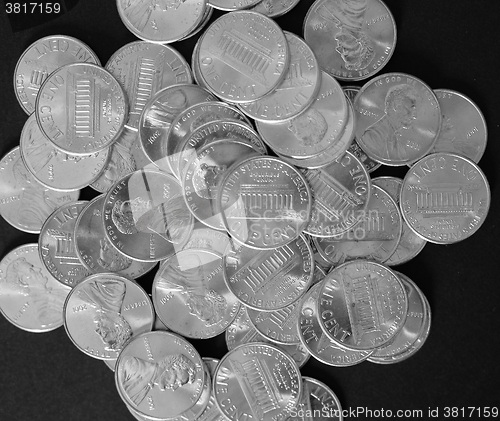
(286, 250)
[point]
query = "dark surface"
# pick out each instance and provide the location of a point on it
(447, 44)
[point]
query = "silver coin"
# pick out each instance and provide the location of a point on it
(96, 252)
(231, 5)
(30, 298)
(123, 160)
(204, 173)
(241, 331)
(207, 15)
(257, 381)
(204, 238)
(319, 260)
(376, 237)
(55, 169)
(243, 56)
(334, 151)
(295, 93)
(43, 57)
(410, 244)
(81, 108)
(313, 131)
(362, 305)
(216, 130)
(415, 323)
(278, 326)
(192, 118)
(274, 8)
(145, 216)
(159, 114)
(161, 22)
(190, 295)
(24, 202)
(56, 245)
(104, 311)
(463, 129)
(160, 375)
(445, 198)
(398, 119)
(265, 202)
(195, 65)
(317, 342)
(142, 69)
(353, 40)
(341, 192)
(269, 279)
(318, 403)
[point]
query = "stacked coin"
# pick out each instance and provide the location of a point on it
(288, 253)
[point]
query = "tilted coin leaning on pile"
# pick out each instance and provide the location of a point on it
(250, 187)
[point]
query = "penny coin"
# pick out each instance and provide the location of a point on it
(278, 326)
(341, 193)
(376, 237)
(24, 202)
(161, 22)
(269, 279)
(263, 380)
(190, 295)
(204, 238)
(353, 40)
(216, 130)
(398, 119)
(159, 114)
(192, 118)
(195, 65)
(96, 252)
(43, 57)
(410, 244)
(313, 131)
(317, 342)
(274, 8)
(56, 244)
(243, 56)
(335, 150)
(124, 159)
(204, 173)
(318, 402)
(81, 108)
(30, 298)
(145, 216)
(209, 11)
(231, 5)
(142, 69)
(265, 202)
(241, 331)
(160, 375)
(414, 325)
(463, 130)
(362, 305)
(295, 93)
(196, 410)
(445, 198)
(104, 311)
(55, 169)
(355, 149)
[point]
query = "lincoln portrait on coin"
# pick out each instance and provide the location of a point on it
(106, 297)
(382, 138)
(309, 127)
(138, 376)
(29, 281)
(110, 258)
(353, 44)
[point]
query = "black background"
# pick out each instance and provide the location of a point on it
(451, 44)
